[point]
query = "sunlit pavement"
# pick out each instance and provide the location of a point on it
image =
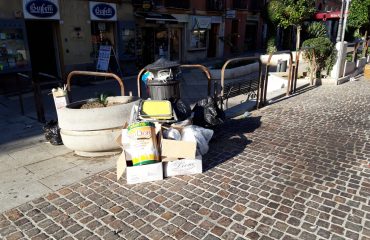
(297, 169)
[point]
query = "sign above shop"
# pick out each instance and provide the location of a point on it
(201, 22)
(253, 18)
(230, 14)
(41, 9)
(103, 11)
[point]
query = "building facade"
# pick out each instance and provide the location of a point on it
(245, 30)
(61, 35)
(58, 36)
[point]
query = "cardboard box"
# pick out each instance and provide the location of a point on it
(60, 98)
(182, 166)
(179, 158)
(138, 174)
(178, 149)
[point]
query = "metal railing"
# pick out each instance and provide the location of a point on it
(250, 5)
(260, 84)
(215, 5)
(97, 74)
(183, 4)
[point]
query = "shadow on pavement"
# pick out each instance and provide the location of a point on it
(229, 140)
(298, 92)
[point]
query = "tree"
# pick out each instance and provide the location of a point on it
(321, 54)
(359, 13)
(287, 13)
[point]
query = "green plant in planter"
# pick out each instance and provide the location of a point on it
(103, 99)
(321, 56)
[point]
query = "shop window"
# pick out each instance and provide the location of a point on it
(161, 43)
(128, 42)
(198, 38)
(101, 34)
(13, 53)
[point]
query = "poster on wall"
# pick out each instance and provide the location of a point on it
(103, 11)
(41, 9)
(103, 58)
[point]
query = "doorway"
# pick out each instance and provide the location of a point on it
(234, 35)
(250, 39)
(175, 44)
(102, 33)
(213, 37)
(43, 47)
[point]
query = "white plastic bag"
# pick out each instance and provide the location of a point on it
(197, 134)
(172, 134)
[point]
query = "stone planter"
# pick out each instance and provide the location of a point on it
(73, 118)
(236, 72)
(91, 132)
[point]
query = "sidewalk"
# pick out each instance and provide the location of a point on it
(296, 169)
(31, 167)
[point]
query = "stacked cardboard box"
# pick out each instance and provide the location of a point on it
(177, 158)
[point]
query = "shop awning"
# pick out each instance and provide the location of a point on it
(327, 15)
(157, 17)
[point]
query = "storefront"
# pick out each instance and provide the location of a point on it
(14, 54)
(203, 38)
(251, 38)
(160, 35)
(103, 25)
(42, 26)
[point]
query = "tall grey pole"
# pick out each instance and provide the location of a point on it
(340, 55)
(340, 25)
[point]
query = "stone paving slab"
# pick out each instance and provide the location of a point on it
(297, 169)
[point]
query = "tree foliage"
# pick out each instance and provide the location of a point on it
(321, 56)
(287, 13)
(317, 29)
(359, 13)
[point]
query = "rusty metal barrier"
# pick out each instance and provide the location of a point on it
(201, 67)
(296, 65)
(290, 72)
(96, 74)
(260, 84)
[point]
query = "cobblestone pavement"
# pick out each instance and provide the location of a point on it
(297, 169)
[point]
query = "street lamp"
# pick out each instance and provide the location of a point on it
(339, 32)
(341, 46)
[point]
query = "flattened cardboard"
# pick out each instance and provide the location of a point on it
(178, 149)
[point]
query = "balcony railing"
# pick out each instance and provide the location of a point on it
(250, 5)
(183, 4)
(215, 5)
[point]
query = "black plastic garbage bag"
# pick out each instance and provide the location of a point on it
(52, 132)
(182, 110)
(207, 113)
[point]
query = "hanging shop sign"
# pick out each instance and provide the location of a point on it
(201, 22)
(230, 13)
(103, 11)
(41, 9)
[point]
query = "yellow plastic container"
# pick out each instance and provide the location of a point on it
(157, 109)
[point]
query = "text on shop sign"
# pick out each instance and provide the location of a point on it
(41, 8)
(104, 11)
